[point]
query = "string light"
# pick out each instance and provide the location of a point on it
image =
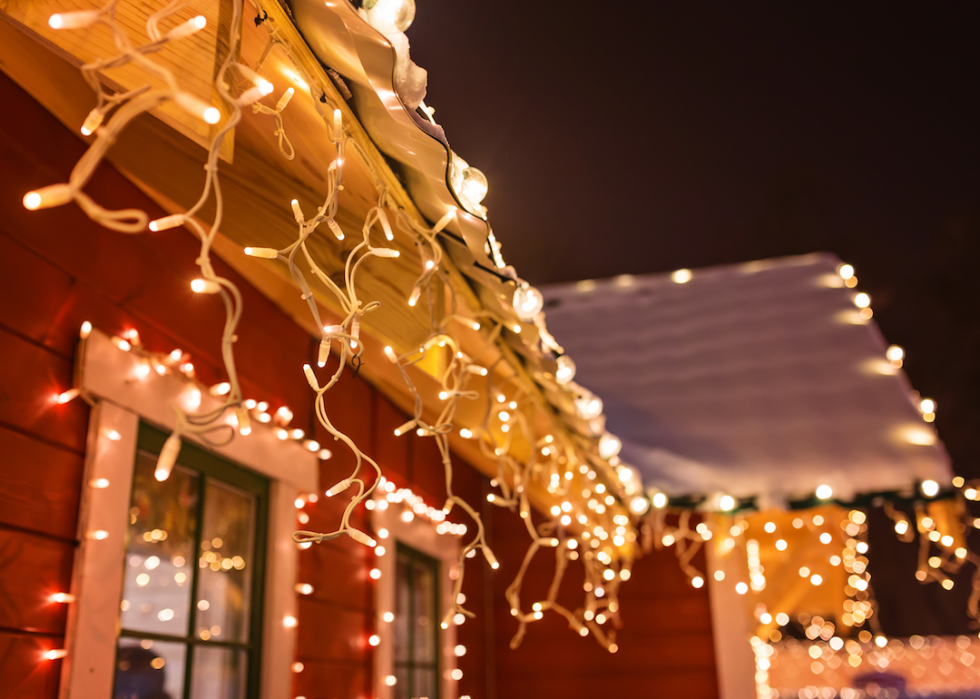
(588, 405)
(895, 355)
(609, 446)
(566, 369)
(528, 302)
(211, 426)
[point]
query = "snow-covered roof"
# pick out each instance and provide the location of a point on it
(751, 379)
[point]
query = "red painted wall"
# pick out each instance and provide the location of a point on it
(58, 269)
(665, 643)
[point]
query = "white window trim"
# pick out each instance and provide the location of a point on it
(109, 375)
(730, 617)
(420, 534)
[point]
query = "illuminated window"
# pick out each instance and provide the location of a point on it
(416, 632)
(191, 605)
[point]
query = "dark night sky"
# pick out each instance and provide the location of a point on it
(689, 134)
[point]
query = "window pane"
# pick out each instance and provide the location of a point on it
(402, 608)
(425, 684)
(416, 627)
(401, 683)
(219, 673)
(225, 563)
(424, 618)
(148, 669)
(160, 550)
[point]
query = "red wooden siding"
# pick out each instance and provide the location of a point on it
(665, 644)
(58, 269)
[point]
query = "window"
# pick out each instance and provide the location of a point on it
(191, 608)
(125, 397)
(416, 637)
(415, 656)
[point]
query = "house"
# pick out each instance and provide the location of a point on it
(277, 418)
(154, 491)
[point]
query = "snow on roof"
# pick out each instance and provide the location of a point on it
(751, 379)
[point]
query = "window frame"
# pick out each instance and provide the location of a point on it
(122, 398)
(419, 535)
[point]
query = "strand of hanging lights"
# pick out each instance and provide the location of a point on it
(218, 426)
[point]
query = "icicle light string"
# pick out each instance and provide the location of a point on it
(453, 382)
(126, 106)
(601, 571)
(860, 607)
(431, 253)
(130, 105)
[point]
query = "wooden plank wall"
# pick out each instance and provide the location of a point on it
(665, 643)
(57, 269)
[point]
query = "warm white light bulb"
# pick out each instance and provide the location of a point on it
(253, 94)
(205, 286)
(168, 457)
(167, 222)
(265, 253)
(284, 100)
(895, 354)
(588, 405)
(74, 20)
(726, 503)
(681, 276)
(528, 302)
(47, 197)
(338, 233)
(930, 488)
(565, 370)
(862, 300)
(824, 492)
(198, 108)
(191, 26)
(474, 187)
(609, 446)
(92, 122)
(927, 405)
(311, 377)
(639, 505)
